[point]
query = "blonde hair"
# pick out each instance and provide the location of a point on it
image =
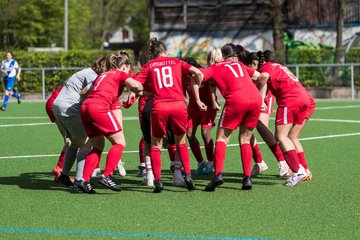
(116, 61)
(214, 56)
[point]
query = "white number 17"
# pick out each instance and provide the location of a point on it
(233, 70)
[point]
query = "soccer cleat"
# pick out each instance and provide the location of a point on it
(96, 173)
(84, 186)
(200, 168)
(148, 179)
(246, 184)
(189, 182)
(295, 178)
(109, 183)
(19, 99)
(65, 180)
(284, 170)
(142, 171)
(121, 169)
(159, 186)
(209, 167)
(217, 181)
(178, 180)
(3, 108)
(258, 168)
(308, 176)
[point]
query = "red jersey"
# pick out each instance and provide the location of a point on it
(52, 98)
(164, 76)
(285, 86)
(107, 88)
(204, 92)
(233, 79)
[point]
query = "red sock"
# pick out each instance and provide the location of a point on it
(90, 163)
(98, 163)
(277, 152)
(113, 158)
(302, 159)
(246, 157)
(209, 148)
(141, 150)
(155, 154)
(219, 157)
(195, 148)
(292, 160)
(185, 157)
(172, 151)
(256, 153)
(60, 162)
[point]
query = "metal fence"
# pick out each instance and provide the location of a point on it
(311, 75)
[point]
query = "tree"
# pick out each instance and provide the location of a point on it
(278, 29)
(339, 50)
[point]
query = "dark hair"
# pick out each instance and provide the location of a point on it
(268, 55)
(241, 53)
(192, 62)
(99, 65)
(261, 58)
(155, 48)
(251, 57)
(116, 61)
(228, 50)
(10, 53)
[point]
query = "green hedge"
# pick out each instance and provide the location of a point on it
(31, 80)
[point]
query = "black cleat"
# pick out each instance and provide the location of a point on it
(65, 180)
(84, 186)
(189, 182)
(142, 171)
(217, 181)
(109, 183)
(172, 168)
(159, 186)
(247, 185)
(19, 99)
(3, 108)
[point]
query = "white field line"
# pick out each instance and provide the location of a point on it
(24, 124)
(135, 117)
(229, 145)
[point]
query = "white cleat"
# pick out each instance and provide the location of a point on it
(120, 168)
(258, 168)
(284, 169)
(96, 173)
(178, 180)
(308, 175)
(295, 178)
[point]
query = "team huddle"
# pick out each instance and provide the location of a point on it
(87, 110)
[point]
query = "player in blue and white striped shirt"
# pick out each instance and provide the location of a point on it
(11, 71)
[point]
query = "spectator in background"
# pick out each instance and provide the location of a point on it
(11, 70)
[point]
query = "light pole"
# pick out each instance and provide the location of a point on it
(66, 25)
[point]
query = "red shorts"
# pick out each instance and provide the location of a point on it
(309, 112)
(243, 112)
(269, 101)
(98, 120)
(49, 109)
(204, 119)
(116, 105)
(291, 115)
(164, 113)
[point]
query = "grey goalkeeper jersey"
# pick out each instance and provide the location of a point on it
(68, 102)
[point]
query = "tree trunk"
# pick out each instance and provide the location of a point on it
(278, 29)
(339, 50)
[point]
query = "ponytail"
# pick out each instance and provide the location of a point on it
(155, 48)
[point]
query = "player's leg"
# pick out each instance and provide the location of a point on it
(155, 155)
(9, 85)
(142, 162)
(260, 165)
(209, 148)
(246, 154)
(121, 165)
(222, 138)
(67, 142)
(192, 126)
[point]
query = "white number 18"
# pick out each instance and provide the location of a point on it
(164, 77)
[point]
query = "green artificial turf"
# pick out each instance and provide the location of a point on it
(34, 207)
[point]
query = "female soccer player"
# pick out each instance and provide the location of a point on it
(241, 110)
(66, 108)
(9, 67)
(165, 77)
(203, 118)
(293, 103)
(99, 119)
(252, 60)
